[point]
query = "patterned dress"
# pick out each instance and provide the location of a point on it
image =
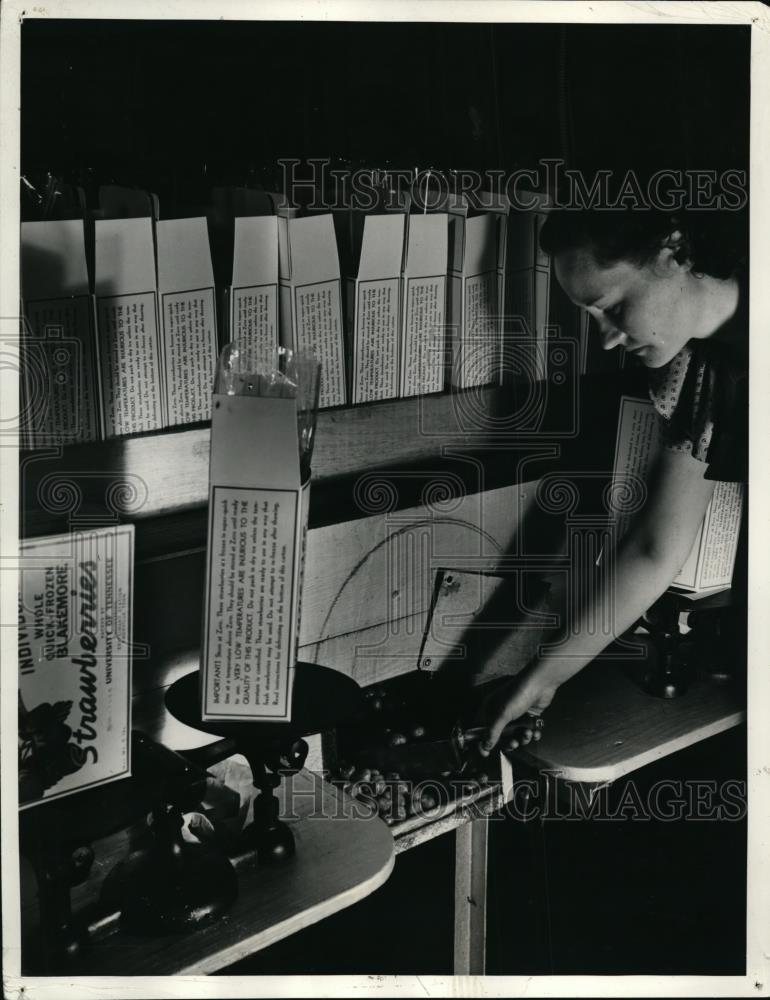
(702, 396)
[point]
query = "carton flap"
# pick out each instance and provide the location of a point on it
(312, 250)
(124, 257)
(254, 441)
(255, 251)
(480, 244)
(382, 250)
(281, 205)
(184, 257)
(427, 245)
(53, 259)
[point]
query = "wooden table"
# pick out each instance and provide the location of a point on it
(340, 858)
(601, 726)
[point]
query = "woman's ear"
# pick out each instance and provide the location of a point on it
(674, 251)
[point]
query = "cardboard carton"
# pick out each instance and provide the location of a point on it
(423, 335)
(310, 301)
(188, 318)
(252, 298)
(528, 285)
(59, 389)
(475, 308)
(373, 291)
(257, 525)
(130, 354)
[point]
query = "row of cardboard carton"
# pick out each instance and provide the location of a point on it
(392, 304)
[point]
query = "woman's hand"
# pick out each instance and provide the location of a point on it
(647, 560)
(530, 694)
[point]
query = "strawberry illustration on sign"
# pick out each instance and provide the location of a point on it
(46, 753)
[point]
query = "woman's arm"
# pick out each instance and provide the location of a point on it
(647, 560)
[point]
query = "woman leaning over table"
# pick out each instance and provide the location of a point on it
(672, 291)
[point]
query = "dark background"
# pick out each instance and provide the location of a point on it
(180, 106)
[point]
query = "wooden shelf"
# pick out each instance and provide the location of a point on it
(603, 725)
(159, 481)
(165, 474)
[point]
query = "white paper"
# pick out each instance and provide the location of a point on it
(637, 445)
(188, 318)
(474, 317)
(317, 312)
(375, 344)
(257, 525)
(423, 335)
(59, 391)
(253, 310)
(75, 622)
(310, 302)
(252, 533)
(130, 356)
(376, 308)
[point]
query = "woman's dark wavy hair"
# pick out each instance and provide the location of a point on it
(716, 243)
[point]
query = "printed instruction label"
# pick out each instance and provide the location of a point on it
(481, 329)
(318, 318)
(189, 329)
(639, 440)
(254, 316)
(722, 532)
(424, 336)
(375, 375)
(60, 401)
(712, 559)
(130, 363)
(252, 546)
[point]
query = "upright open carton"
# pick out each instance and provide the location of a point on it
(129, 347)
(311, 298)
(59, 388)
(188, 317)
(475, 301)
(528, 283)
(251, 301)
(423, 336)
(257, 525)
(373, 292)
